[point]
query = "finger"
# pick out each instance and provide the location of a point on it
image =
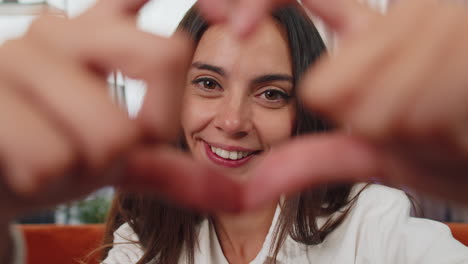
(159, 61)
(113, 44)
(140, 54)
(242, 15)
(441, 174)
(76, 102)
(33, 153)
(160, 112)
(312, 161)
(179, 178)
(386, 98)
(247, 14)
(445, 119)
(342, 16)
(337, 83)
(334, 84)
(215, 11)
(367, 95)
(162, 63)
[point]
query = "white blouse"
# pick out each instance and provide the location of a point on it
(378, 229)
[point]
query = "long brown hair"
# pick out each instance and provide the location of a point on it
(165, 230)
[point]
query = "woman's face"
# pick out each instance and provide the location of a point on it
(237, 103)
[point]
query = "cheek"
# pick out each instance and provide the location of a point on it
(275, 126)
(197, 113)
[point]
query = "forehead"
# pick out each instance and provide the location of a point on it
(266, 51)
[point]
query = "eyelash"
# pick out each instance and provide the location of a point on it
(199, 82)
(284, 96)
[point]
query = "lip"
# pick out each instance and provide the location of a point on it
(226, 162)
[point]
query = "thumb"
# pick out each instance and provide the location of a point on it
(247, 14)
(241, 15)
(342, 16)
(177, 177)
(311, 161)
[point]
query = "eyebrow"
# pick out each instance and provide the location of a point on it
(259, 80)
(208, 67)
(272, 78)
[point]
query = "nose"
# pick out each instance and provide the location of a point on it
(234, 118)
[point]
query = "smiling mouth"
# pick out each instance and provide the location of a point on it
(230, 155)
(228, 158)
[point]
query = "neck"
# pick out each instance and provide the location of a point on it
(242, 235)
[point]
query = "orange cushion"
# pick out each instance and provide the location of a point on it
(460, 232)
(61, 244)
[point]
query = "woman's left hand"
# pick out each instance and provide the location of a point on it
(399, 82)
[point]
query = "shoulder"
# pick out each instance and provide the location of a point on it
(377, 191)
(380, 208)
(381, 223)
(380, 198)
(126, 248)
(373, 207)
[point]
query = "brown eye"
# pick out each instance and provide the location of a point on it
(274, 95)
(206, 83)
(209, 84)
(271, 95)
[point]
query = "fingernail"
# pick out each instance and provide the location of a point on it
(239, 24)
(220, 11)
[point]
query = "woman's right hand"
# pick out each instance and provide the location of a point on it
(61, 136)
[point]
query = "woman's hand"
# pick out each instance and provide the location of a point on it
(399, 84)
(244, 15)
(62, 137)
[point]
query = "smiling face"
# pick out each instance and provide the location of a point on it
(238, 101)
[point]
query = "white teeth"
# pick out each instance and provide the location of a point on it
(232, 155)
(224, 154)
(219, 152)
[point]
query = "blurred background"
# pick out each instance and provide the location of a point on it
(159, 17)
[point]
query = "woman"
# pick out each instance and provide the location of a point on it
(239, 104)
